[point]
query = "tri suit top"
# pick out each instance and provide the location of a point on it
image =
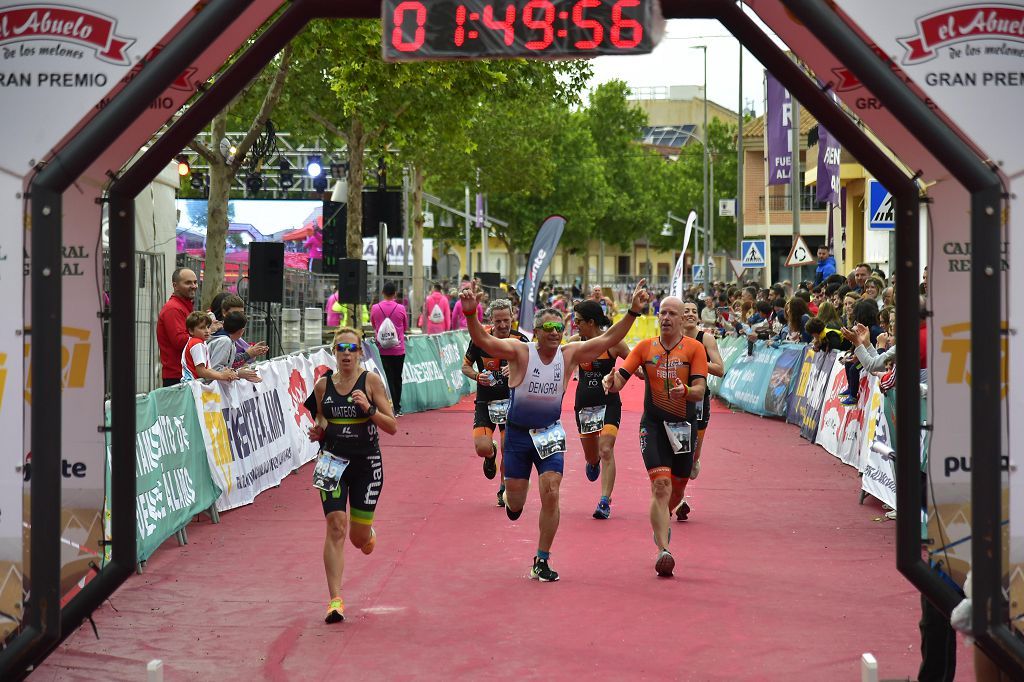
(476, 356)
(589, 391)
(350, 431)
(537, 402)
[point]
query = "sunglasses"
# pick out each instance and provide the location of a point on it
(553, 326)
(347, 348)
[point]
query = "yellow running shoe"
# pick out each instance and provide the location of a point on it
(335, 611)
(368, 547)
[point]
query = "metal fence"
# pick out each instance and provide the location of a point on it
(150, 275)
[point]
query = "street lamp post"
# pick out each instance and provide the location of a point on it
(708, 225)
(708, 218)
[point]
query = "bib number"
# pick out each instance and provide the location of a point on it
(497, 411)
(549, 441)
(678, 436)
(328, 470)
(592, 419)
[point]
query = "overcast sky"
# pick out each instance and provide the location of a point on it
(674, 62)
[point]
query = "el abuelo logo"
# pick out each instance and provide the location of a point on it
(963, 24)
(67, 24)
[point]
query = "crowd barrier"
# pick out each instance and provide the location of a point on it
(803, 386)
(213, 447)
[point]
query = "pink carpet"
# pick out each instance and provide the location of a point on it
(780, 575)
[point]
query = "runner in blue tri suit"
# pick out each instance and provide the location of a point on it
(535, 438)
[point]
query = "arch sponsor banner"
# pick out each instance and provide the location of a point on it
(256, 434)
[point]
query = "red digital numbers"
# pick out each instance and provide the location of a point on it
(595, 27)
(619, 24)
(547, 24)
(507, 26)
(419, 35)
(460, 24)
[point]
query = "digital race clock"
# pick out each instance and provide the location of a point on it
(468, 29)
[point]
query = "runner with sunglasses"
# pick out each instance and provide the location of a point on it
(348, 406)
(597, 413)
(676, 368)
(535, 438)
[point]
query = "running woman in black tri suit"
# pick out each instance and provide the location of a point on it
(702, 410)
(491, 377)
(349, 406)
(598, 443)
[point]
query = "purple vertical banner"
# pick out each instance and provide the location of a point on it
(479, 210)
(829, 152)
(842, 220)
(778, 123)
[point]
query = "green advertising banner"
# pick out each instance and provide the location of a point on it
(424, 382)
(451, 347)
(173, 481)
(730, 348)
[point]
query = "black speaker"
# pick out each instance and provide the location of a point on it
(352, 281)
(266, 272)
(490, 279)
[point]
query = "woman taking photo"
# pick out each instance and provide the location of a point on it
(597, 413)
(350, 405)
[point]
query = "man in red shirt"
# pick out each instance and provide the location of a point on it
(171, 334)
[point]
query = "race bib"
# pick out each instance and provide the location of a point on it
(591, 419)
(678, 436)
(699, 410)
(497, 411)
(549, 441)
(328, 470)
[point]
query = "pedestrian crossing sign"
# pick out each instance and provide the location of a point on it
(881, 214)
(754, 251)
(698, 274)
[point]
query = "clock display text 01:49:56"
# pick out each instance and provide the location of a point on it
(472, 29)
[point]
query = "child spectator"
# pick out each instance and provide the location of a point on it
(222, 346)
(195, 357)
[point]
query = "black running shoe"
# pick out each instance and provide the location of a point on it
(542, 572)
(501, 496)
(664, 564)
(490, 463)
(682, 512)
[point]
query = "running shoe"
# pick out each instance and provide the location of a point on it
(665, 564)
(604, 509)
(696, 469)
(490, 463)
(335, 611)
(593, 470)
(542, 572)
(682, 511)
(501, 496)
(848, 400)
(368, 547)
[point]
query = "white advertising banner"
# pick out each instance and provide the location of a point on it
(256, 434)
(840, 426)
(879, 474)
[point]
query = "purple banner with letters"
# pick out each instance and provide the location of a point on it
(778, 123)
(829, 152)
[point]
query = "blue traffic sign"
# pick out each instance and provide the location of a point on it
(698, 274)
(754, 251)
(881, 214)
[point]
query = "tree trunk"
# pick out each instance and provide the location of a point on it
(565, 265)
(354, 225)
(417, 295)
(216, 216)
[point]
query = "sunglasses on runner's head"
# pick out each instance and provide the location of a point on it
(347, 347)
(552, 326)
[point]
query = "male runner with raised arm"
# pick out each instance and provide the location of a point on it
(535, 438)
(676, 368)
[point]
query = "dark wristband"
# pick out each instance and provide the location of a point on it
(631, 312)
(623, 373)
(372, 411)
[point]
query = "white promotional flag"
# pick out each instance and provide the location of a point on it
(677, 275)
